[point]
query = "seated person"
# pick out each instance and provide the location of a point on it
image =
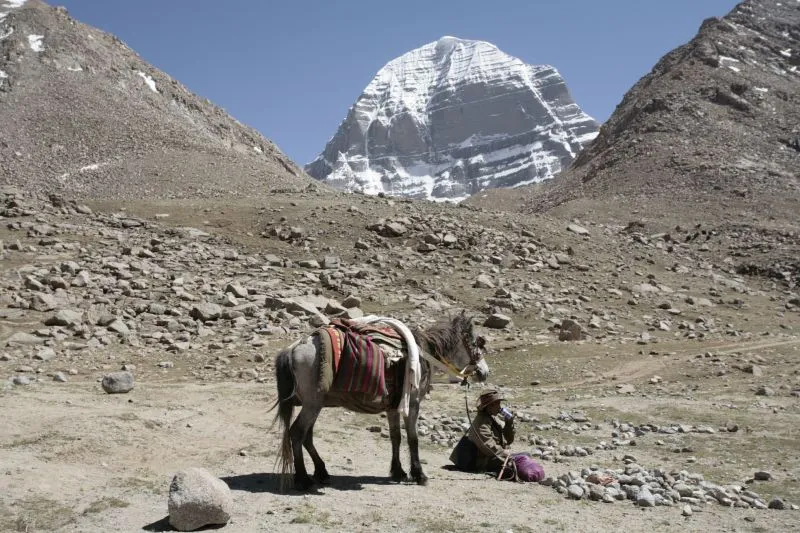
(484, 447)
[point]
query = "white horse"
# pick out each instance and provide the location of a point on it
(450, 344)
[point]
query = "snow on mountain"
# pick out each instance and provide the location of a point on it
(452, 118)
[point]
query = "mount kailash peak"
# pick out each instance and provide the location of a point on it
(452, 118)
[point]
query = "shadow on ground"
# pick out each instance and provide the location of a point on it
(270, 482)
(164, 525)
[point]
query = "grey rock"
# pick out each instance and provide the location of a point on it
(762, 475)
(118, 382)
(45, 354)
(575, 492)
(331, 262)
(65, 317)
(43, 302)
(777, 503)
(118, 326)
(237, 290)
(206, 311)
(483, 282)
(309, 263)
(578, 230)
(198, 499)
(20, 338)
(394, 229)
(570, 331)
(497, 321)
(763, 390)
(645, 498)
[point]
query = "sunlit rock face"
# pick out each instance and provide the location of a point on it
(452, 118)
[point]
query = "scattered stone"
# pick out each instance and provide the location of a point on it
(118, 382)
(497, 321)
(570, 331)
(578, 230)
(206, 312)
(762, 475)
(483, 282)
(777, 503)
(575, 492)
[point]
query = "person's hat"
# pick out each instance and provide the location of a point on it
(488, 398)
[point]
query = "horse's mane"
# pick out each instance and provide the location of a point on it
(445, 337)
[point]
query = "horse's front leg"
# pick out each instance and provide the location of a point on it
(413, 442)
(397, 472)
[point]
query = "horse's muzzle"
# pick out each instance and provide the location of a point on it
(481, 371)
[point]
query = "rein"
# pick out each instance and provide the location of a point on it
(447, 366)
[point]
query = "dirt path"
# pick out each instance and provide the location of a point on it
(89, 462)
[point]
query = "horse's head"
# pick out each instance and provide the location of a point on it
(455, 345)
(474, 347)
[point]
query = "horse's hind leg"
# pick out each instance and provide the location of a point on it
(320, 472)
(413, 442)
(300, 434)
(397, 472)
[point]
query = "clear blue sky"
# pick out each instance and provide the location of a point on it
(292, 69)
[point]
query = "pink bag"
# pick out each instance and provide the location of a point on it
(523, 468)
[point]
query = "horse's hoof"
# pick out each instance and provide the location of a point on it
(303, 483)
(399, 477)
(421, 479)
(323, 478)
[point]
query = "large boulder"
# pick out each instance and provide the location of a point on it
(197, 499)
(118, 382)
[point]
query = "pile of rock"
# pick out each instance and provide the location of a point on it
(649, 488)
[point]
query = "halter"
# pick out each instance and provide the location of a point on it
(453, 370)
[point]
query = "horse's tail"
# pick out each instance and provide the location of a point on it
(285, 403)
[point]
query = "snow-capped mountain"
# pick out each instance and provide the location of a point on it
(452, 118)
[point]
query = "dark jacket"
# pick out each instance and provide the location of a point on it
(490, 434)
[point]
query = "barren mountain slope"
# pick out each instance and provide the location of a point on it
(82, 113)
(712, 131)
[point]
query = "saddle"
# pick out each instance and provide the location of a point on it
(363, 358)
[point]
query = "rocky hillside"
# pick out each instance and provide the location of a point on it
(452, 118)
(713, 127)
(77, 280)
(82, 113)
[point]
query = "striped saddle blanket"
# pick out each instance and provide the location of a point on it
(359, 357)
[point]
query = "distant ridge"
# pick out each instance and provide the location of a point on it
(82, 113)
(715, 125)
